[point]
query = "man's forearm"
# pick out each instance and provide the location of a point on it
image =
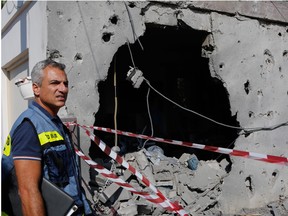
(33, 204)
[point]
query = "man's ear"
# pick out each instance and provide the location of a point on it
(36, 89)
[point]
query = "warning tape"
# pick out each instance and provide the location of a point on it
(161, 200)
(113, 177)
(232, 152)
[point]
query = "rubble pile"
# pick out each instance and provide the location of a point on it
(194, 184)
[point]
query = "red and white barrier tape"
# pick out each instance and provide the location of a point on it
(111, 176)
(174, 207)
(232, 152)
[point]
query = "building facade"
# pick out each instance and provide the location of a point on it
(228, 58)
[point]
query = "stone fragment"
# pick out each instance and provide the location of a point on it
(144, 166)
(224, 163)
(188, 197)
(164, 183)
(172, 194)
(128, 209)
(204, 203)
(113, 188)
(183, 178)
(164, 175)
(184, 158)
(100, 180)
(208, 174)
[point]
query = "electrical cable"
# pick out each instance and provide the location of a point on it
(246, 130)
(132, 26)
(225, 125)
(131, 56)
(150, 118)
(149, 113)
(116, 102)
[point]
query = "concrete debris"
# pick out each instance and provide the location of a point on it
(113, 188)
(197, 190)
(144, 166)
(128, 209)
(155, 155)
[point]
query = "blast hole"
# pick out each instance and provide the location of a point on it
(78, 57)
(247, 87)
(275, 174)
(248, 183)
(114, 19)
(172, 63)
(106, 36)
(251, 114)
(131, 4)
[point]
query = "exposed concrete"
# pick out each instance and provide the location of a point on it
(246, 50)
(260, 63)
(267, 10)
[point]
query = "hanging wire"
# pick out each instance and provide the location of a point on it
(234, 127)
(116, 102)
(132, 26)
(147, 98)
(131, 55)
(150, 118)
(246, 130)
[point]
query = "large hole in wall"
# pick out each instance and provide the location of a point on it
(172, 62)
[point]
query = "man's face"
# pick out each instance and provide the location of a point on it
(52, 93)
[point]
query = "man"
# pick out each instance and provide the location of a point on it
(39, 144)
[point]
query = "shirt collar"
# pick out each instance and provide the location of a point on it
(45, 111)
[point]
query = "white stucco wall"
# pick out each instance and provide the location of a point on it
(24, 39)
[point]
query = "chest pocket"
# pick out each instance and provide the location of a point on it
(57, 162)
(57, 158)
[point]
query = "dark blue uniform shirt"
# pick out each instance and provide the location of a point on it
(25, 142)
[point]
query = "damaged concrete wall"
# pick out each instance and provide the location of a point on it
(247, 49)
(251, 58)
